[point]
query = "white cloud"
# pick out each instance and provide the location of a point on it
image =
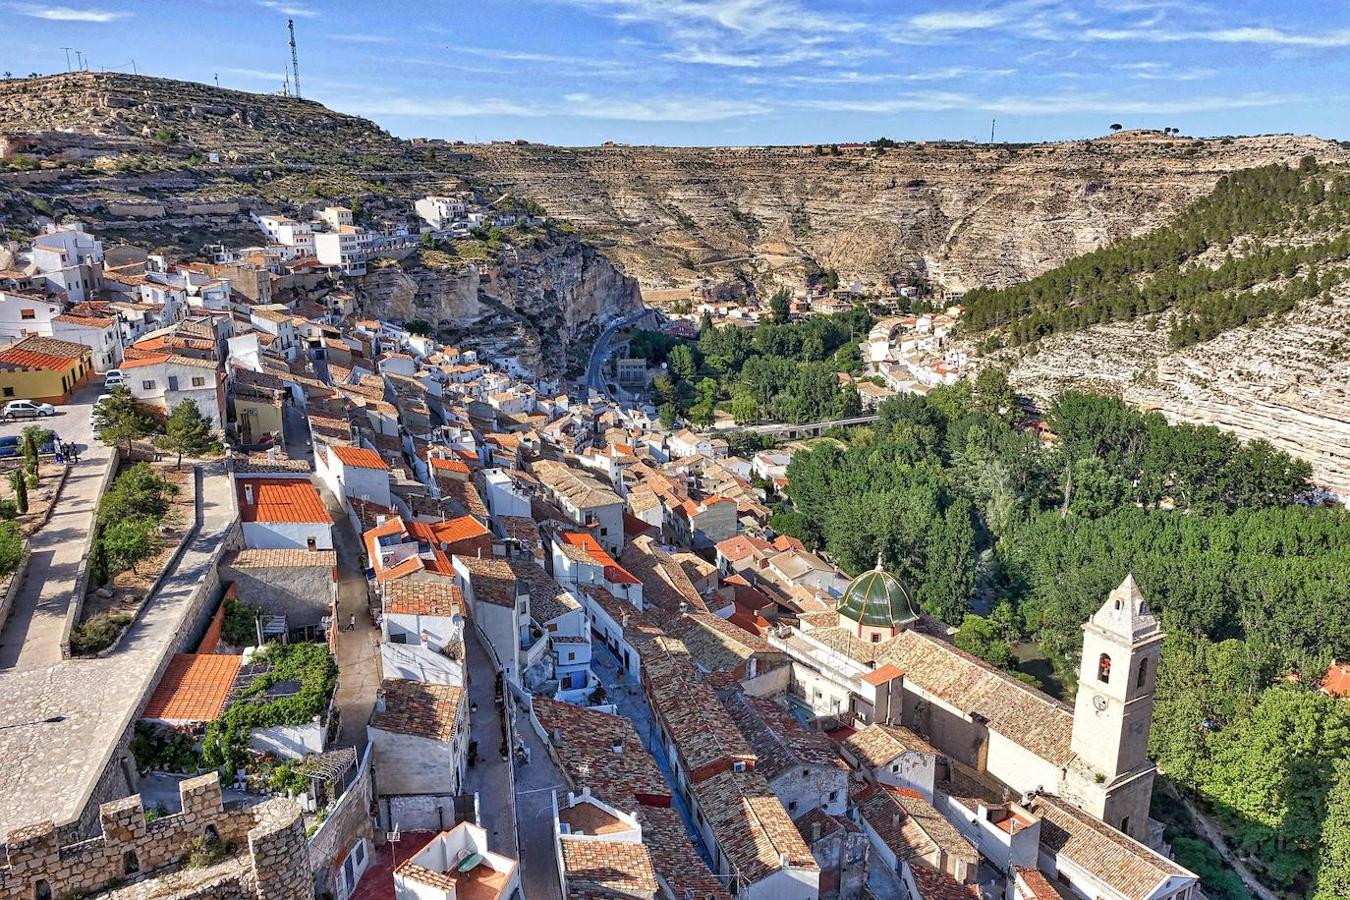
(957, 21)
(661, 109)
(575, 106)
(1267, 36)
(1053, 104)
(71, 14)
(287, 9)
(361, 38)
(1156, 71)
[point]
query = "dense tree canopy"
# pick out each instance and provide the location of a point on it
(1218, 265)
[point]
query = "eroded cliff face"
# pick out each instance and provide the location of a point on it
(441, 296)
(967, 215)
(535, 303)
(1287, 381)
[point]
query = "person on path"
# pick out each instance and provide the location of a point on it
(351, 622)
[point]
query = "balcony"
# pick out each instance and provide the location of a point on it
(533, 644)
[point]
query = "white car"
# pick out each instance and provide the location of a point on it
(101, 398)
(113, 378)
(27, 409)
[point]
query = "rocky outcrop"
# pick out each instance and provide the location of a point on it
(967, 215)
(441, 296)
(1287, 381)
(565, 287)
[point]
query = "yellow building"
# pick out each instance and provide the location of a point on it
(256, 417)
(43, 369)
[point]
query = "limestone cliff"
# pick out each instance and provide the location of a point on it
(1287, 381)
(441, 296)
(966, 215)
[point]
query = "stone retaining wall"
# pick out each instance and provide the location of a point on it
(12, 585)
(129, 847)
(75, 609)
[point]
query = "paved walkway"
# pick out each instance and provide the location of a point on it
(489, 777)
(536, 782)
(31, 637)
(358, 650)
(64, 721)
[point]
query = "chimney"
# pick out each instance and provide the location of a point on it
(379, 701)
(618, 746)
(248, 493)
(895, 820)
(815, 830)
(557, 737)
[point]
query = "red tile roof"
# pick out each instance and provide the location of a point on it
(280, 500)
(195, 688)
(878, 677)
(614, 573)
(43, 353)
(1336, 683)
(358, 457)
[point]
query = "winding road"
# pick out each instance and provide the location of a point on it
(595, 366)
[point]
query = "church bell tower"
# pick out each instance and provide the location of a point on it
(1111, 775)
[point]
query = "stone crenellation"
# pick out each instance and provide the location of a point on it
(132, 849)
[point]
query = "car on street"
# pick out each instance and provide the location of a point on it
(26, 409)
(114, 377)
(101, 398)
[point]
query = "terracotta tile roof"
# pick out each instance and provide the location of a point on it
(909, 825)
(878, 744)
(664, 584)
(423, 598)
(443, 464)
(281, 559)
(590, 547)
(358, 457)
(280, 501)
(703, 733)
(780, 743)
(881, 675)
(195, 688)
(579, 737)
(87, 321)
(1118, 860)
(548, 599)
(716, 644)
(42, 353)
(936, 885)
(579, 489)
(596, 868)
(421, 709)
(1336, 682)
(1039, 886)
(674, 856)
(750, 826)
(492, 580)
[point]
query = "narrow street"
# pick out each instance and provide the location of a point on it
(358, 650)
(536, 782)
(490, 775)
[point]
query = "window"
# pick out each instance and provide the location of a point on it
(792, 806)
(130, 864)
(9, 392)
(173, 382)
(147, 385)
(198, 381)
(1143, 673)
(834, 795)
(1125, 825)
(1104, 669)
(895, 767)
(876, 638)
(27, 314)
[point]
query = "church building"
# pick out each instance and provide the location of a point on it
(874, 660)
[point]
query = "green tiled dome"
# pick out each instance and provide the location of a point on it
(877, 598)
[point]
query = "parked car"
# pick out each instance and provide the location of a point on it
(26, 409)
(101, 398)
(113, 378)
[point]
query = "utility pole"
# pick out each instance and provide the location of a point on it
(216, 76)
(992, 123)
(79, 60)
(295, 59)
(67, 49)
(134, 70)
(285, 83)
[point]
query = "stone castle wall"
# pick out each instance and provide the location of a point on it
(39, 864)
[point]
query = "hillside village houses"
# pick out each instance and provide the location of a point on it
(531, 585)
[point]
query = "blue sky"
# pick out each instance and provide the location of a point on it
(739, 71)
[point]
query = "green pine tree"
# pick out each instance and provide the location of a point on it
(187, 431)
(19, 484)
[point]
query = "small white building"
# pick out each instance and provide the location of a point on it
(440, 212)
(457, 865)
(28, 315)
(283, 514)
(420, 734)
(165, 380)
(353, 472)
(70, 259)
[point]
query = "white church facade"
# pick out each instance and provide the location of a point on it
(874, 660)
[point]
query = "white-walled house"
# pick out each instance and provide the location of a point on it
(423, 628)
(353, 472)
(27, 314)
(435, 873)
(101, 334)
(164, 380)
(283, 514)
(420, 734)
(70, 259)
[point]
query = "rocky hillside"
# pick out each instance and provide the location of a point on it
(132, 156)
(967, 215)
(539, 302)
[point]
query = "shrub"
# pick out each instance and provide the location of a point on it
(98, 632)
(129, 541)
(11, 547)
(239, 626)
(158, 747)
(205, 852)
(136, 492)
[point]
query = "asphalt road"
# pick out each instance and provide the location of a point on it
(600, 354)
(72, 422)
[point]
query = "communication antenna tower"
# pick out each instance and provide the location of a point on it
(992, 123)
(295, 59)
